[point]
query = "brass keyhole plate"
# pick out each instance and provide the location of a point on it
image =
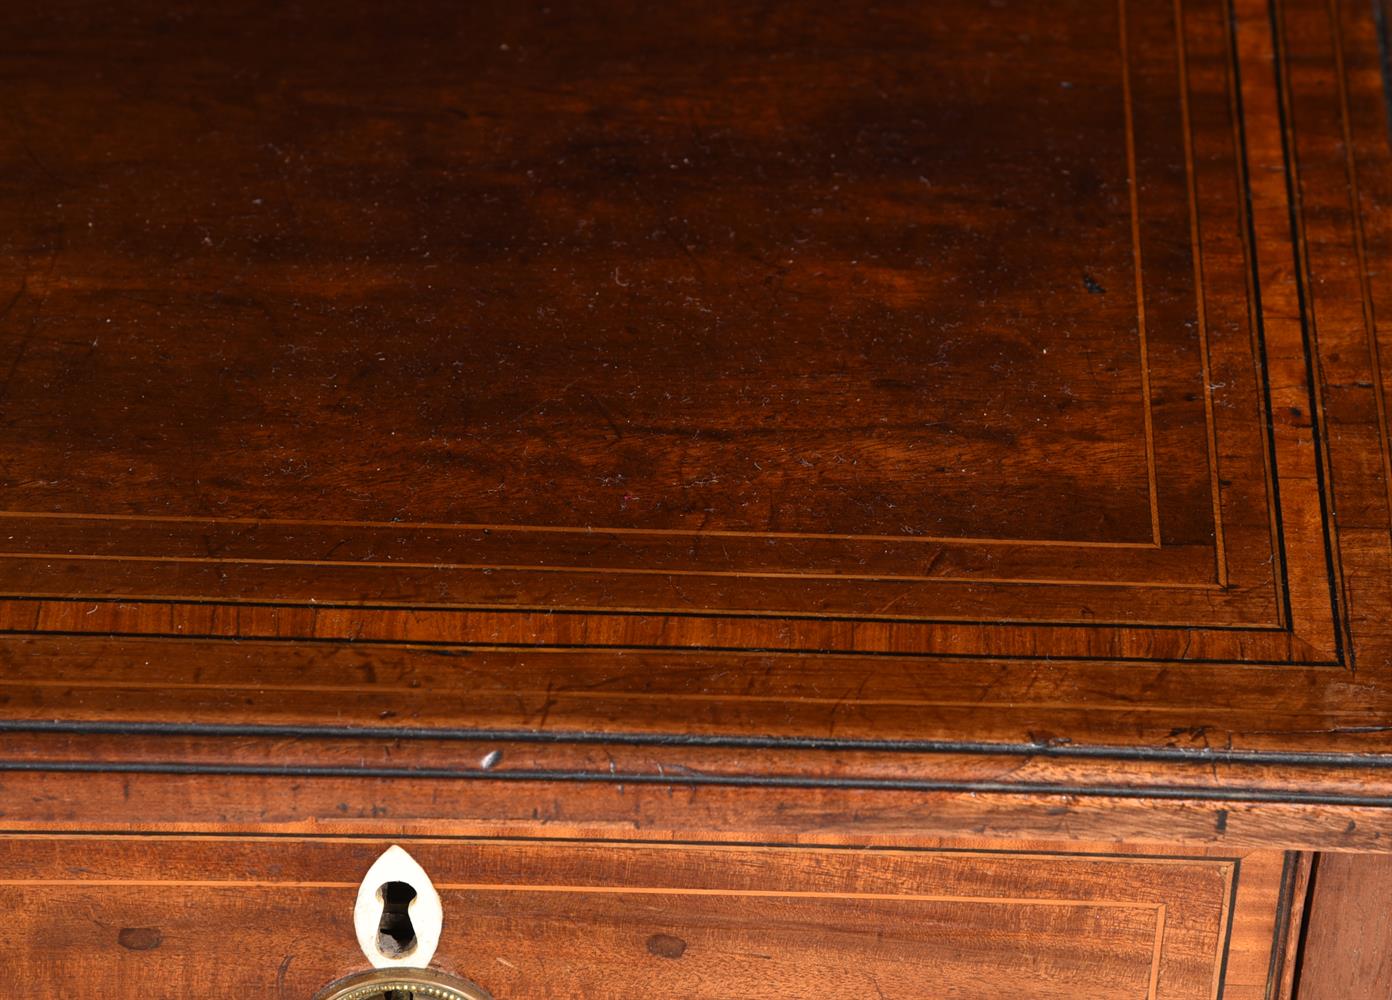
(403, 984)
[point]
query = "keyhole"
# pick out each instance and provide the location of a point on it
(395, 934)
(396, 915)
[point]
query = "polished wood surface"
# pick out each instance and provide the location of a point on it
(492, 318)
(556, 918)
(1347, 947)
(519, 308)
(762, 498)
(540, 401)
(533, 372)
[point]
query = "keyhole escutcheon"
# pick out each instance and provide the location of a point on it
(397, 916)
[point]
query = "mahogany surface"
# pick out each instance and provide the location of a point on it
(944, 417)
(763, 497)
(1344, 952)
(271, 916)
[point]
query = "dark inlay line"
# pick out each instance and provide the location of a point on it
(1164, 792)
(1178, 755)
(1258, 313)
(1308, 334)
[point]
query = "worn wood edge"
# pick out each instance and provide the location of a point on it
(1345, 941)
(1056, 748)
(1290, 923)
(105, 685)
(684, 761)
(53, 801)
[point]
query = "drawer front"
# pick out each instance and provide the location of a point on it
(146, 916)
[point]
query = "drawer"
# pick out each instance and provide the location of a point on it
(185, 916)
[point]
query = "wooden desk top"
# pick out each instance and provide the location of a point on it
(981, 405)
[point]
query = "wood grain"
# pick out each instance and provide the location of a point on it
(680, 469)
(992, 413)
(571, 919)
(1345, 950)
(598, 368)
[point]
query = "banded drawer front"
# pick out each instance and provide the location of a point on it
(155, 916)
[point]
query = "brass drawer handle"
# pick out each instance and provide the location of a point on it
(403, 984)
